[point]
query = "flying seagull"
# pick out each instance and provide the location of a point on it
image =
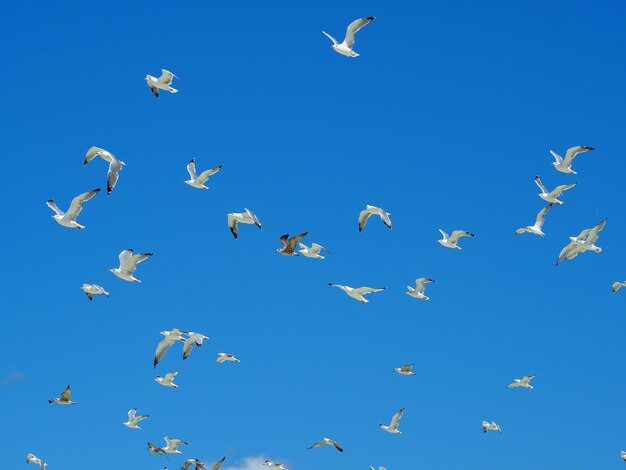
(133, 419)
(418, 291)
(161, 83)
(223, 357)
(405, 370)
(487, 426)
(189, 462)
(197, 181)
(128, 264)
(193, 338)
(246, 217)
(93, 289)
(166, 343)
(217, 465)
(168, 380)
(622, 454)
(539, 221)
(393, 427)
(154, 449)
(452, 241)
(64, 399)
(358, 292)
(551, 196)
(271, 464)
(32, 458)
(564, 165)
(115, 165)
(326, 441)
(172, 445)
(68, 219)
(345, 48)
(290, 244)
(313, 251)
(523, 382)
(379, 468)
(364, 216)
(585, 241)
(617, 285)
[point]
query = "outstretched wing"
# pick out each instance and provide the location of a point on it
(77, 203)
(541, 215)
(206, 173)
(572, 152)
(293, 241)
(191, 168)
(335, 42)
(355, 26)
(540, 184)
(254, 218)
(368, 290)
(458, 234)
(363, 218)
(219, 463)
(556, 192)
(94, 152)
(113, 175)
(134, 260)
(52, 205)
(396, 418)
(595, 231)
(65, 396)
(556, 156)
(166, 77)
(232, 225)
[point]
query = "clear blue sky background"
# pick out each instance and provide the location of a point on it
(444, 121)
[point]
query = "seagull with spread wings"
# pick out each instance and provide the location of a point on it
(358, 292)
(193, 338)
(536, 229)
(290, 244)
(128, 265)
(133, 419)
(64, 399)
(617, 285)
(417, 292)
(247, 217)
(32, 458)
(170, 338)
(161, 83)
(115, 165)
(68, 219)
(564, 165)
(585, 241)
(451, 241)
(328, 442)
(313, 251)
(168, 380)
(365, 214)
(487, 426)
(172, 445)
(395, 421)
(551, 196)
(345, 48)
(197, 181)
(223, 357)
(93, 289)
(523, 382)
(405, 370)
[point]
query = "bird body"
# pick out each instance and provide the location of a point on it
(289, 244)
(68, 219)
(193, 338)
(93, 289)
(451, 241)
(32, 458)
(536, 229)
(346, 47)
(395, 421)
(405, 370)
(564, 165)
(128, 265)
(551, 196)
(223, 357)
(168, 380)
(271, 464)
(417, 292)
(328, 442)
(364, 216)
(133, 419)
(170, 338)
(64, 399)
(523, 382)
(246, 217)
(197, 181)
(585, 241)
(161, 83)
(313, 251)
(172, 445)
(115, 165)
(358, 292)
(487, 426)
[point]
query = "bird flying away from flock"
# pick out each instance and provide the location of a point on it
(405, 370)
(487, 426)
(345, 48)
(523, 382)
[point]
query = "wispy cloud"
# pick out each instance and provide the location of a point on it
(249, 463)
(10, 378)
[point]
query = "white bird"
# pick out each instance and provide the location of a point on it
(617, 285)
(523, 382)
(452, 241)
(128, 265)
(64, 399)
(197, 181)
(93, 289)
(161, 83)
(328, 442)
(223, 357)
(246, 217)
(345, 48)
(393, 427)
(313, 251)
(68, 219)
(271, 464)
(487, 426)
(364, 216)
(115, 165)
(551, 196)
(418, 291)
(32, 458)
(172, 445)
(536, 229)
(289, 245)
(585, 241)
(168, 380)
(564, 165)
(133, 419)
(166, 343)
(193, 338)
(405, 370)
(358, 292)
(622, 454)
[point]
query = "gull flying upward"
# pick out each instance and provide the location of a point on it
(166, 343)
(358, 292)
(64, 399)
(405, 370)
(68, 219)
(194, 338)
(313, 251)
(32, 458)
(585, 241)
(345, 48)
(328, 442)
(197, 181)
(246, 217)
(115, 165)
(487, 426)
(452, 241)
(564, 165)
(223, 357)
(290, 244)
(551, 196)
(168, 380)
(161, 83)
(133, 419)
(93, 289)
(393, 427)
(523, 382)
(418, 291)
(128, 264)
(539, 221)
(364, 216)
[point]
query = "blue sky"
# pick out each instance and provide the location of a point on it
(444, 121)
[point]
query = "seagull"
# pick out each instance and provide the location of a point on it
(345, 48)
(161, 83)
(393, 427)
(166, 343)
(585, 241)
(373, 210)
(133, 420)
(128, 264)
(168, 380)
(617, 285)
(564, 165)
(226, 357)
(172, 445)
(32, 458)
(379, 468)
(313, 251)
(271, 464)
(405, 370)
(198, 181)
(588, 244)
(68, 219)
(452, 240)
(154, 449)
(523, 382)
(246, 217)
(194, 338)
(289, 244)
(93, 289)
(491, 426)
(189, 462)
(358, 292)
(552, 196)
(539, 221)
(326, 441)
(217, 465)
(622, 454)
(418, 291)
(64, 399)
(115, 165)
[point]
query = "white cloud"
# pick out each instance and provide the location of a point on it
(249, 463)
